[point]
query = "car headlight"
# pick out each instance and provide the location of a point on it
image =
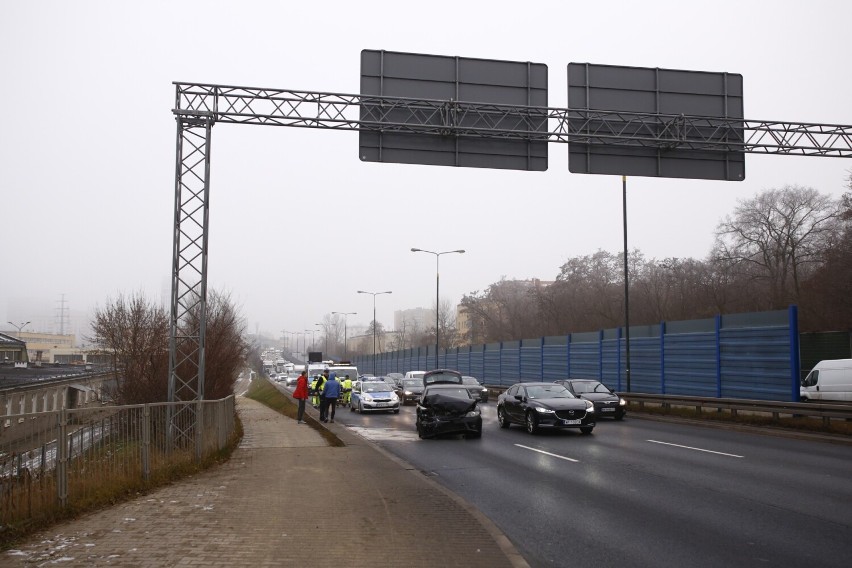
(394, 397)
(543, 410)
(367, 397)
(590, 406)
(622, 402)
(472, 414)
(484, 390)
(408, 393)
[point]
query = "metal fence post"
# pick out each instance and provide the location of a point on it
(146, 442)
(62, 459)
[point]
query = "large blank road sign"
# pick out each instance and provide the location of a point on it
(663, 92)
(437, 81)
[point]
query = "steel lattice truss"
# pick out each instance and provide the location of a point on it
(279, 107)
(189, 274)
(199, 106)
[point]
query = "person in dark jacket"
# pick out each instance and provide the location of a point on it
(301, 394)
(330, 394)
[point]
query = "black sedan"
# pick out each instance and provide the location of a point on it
(544, 405)
(606, 402)
(448, 409)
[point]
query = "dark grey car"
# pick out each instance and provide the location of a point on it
(475, 388)
(409, 390)
(606, 401)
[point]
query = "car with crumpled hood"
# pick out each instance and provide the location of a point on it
(447, 407)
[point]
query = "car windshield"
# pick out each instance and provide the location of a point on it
(549, 391)
(469, 381)
(412, 383)
(455, 393)
(589, 386)
(376, 387)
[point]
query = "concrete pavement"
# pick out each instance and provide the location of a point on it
(285, 498)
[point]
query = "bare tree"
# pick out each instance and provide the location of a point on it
(779, 236)
(136, 332)
(827, 305)
(225, 346)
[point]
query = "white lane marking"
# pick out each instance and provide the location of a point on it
(547, 453)
(696, 449)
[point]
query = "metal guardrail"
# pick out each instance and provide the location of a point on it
(826, 411)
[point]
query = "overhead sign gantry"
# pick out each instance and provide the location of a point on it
(466, 112)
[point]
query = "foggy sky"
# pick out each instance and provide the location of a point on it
(298, 223)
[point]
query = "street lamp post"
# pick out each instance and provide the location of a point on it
(19, 327)
(311, 331)
(344, 314)
(437, 294)
(326, 337)
(374, 321)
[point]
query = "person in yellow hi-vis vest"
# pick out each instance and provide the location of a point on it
(314, 399)
(347, 390)
(318, 388)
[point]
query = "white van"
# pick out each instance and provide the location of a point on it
(829, 380)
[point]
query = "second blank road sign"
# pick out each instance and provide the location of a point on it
(624, 144)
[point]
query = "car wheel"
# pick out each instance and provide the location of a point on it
(619, 416)
(587, 429)
(473, 435)
(502, 419)
(532, 423)
(360, 407)
(351, 408)
(419, 431)
(396, 411)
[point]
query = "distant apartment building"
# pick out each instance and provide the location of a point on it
(419, 319)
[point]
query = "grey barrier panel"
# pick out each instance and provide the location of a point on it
(668, 93)
(443, 81)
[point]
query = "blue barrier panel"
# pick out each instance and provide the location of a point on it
(530, 364)
(463, 360)
(611, 358)
(510, 362)
(690, 363)
(451, 359)
(554, 358)
(756, 363)
(751, 355)
(491, 364)
(645, 364)
(585, 356)
(477, 362)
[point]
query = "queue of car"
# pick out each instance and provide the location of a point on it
(447, 402)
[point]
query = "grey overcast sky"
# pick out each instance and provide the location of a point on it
(297, 223)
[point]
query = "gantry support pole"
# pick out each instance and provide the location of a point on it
(189, 273)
